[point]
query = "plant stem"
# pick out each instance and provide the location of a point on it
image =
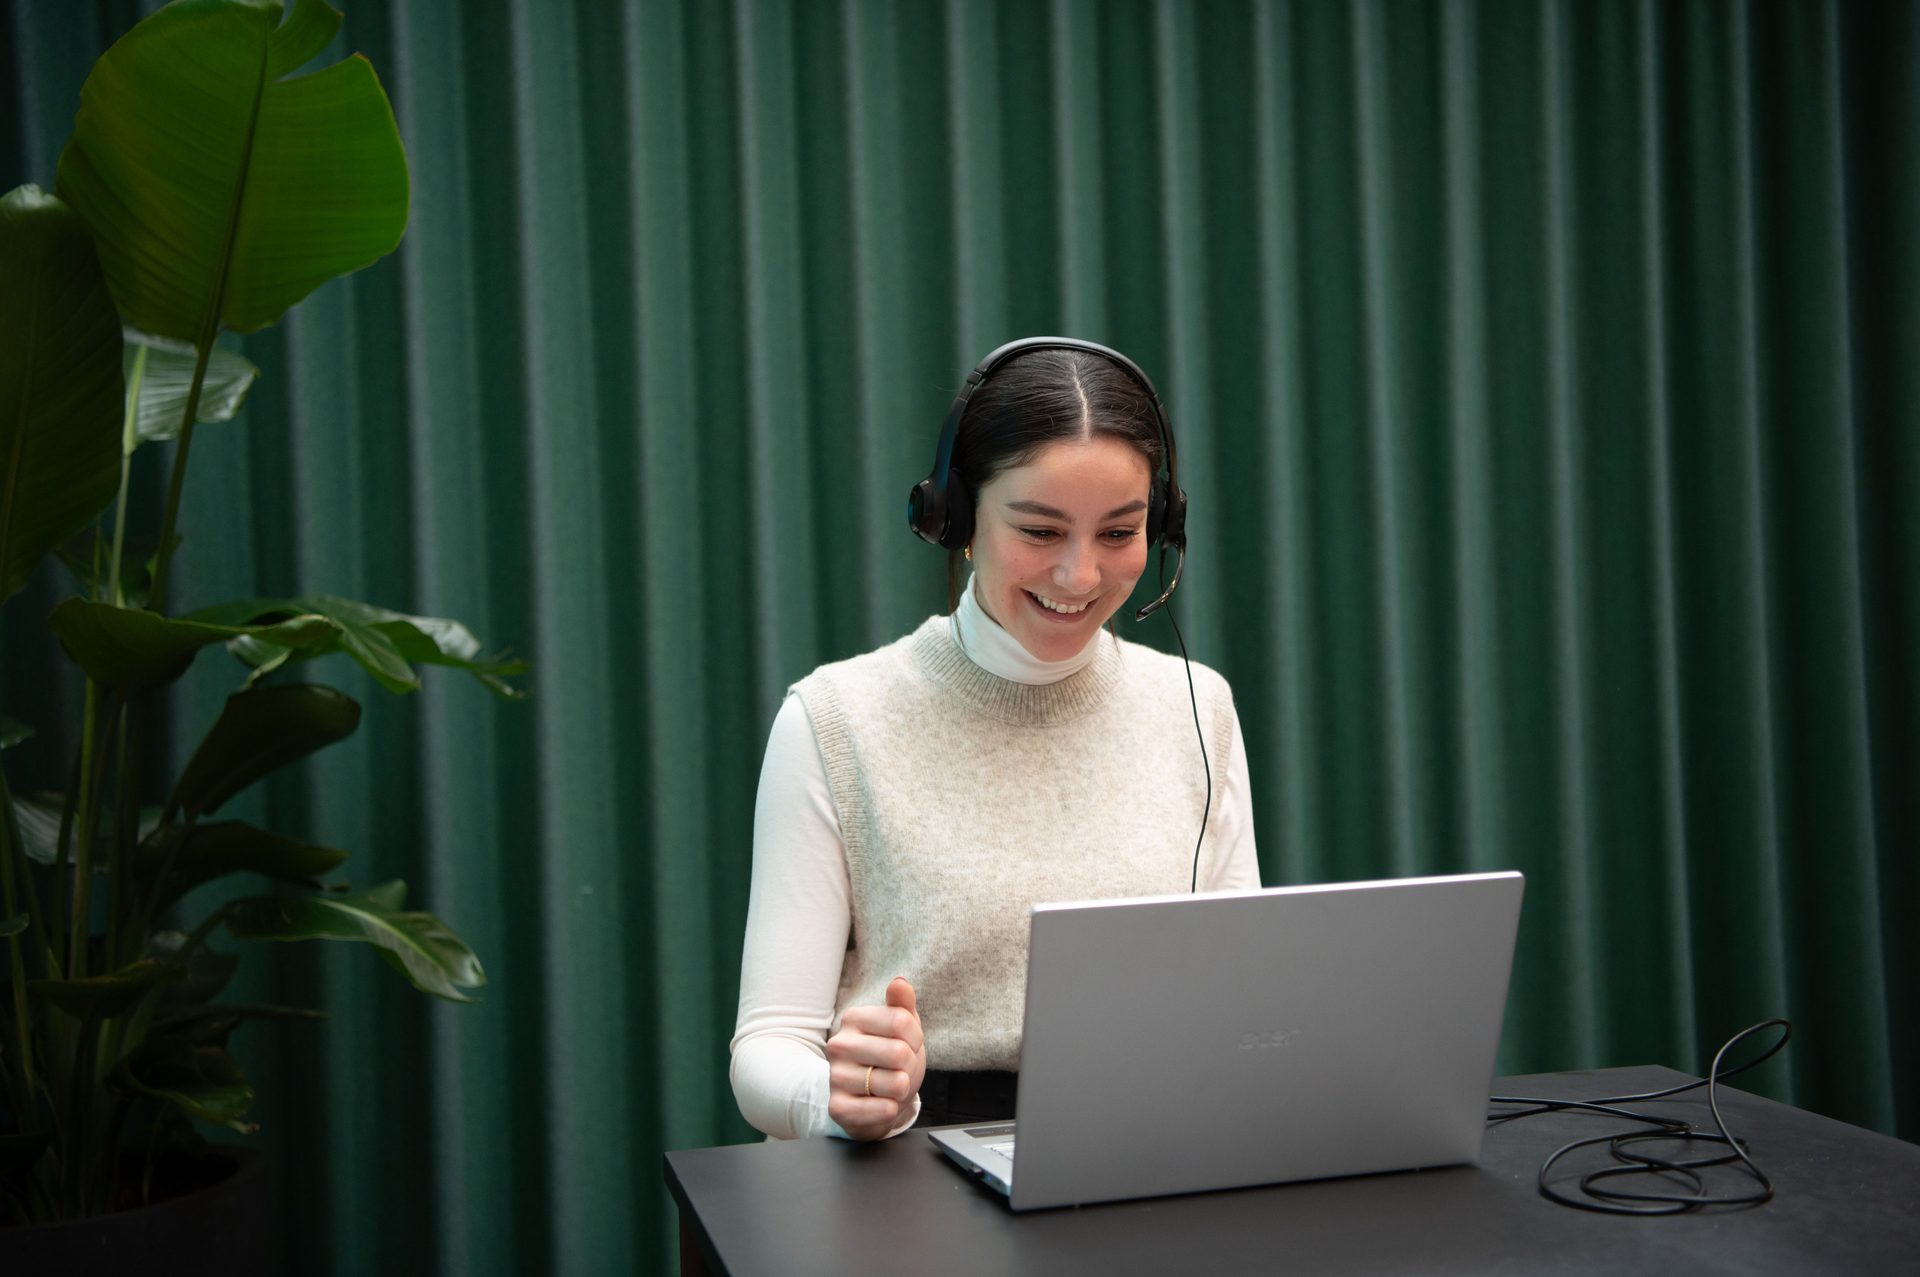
(119, 889)
(62, 880)
(129, 438)
(16, 953)
(80, 1119)
(83, 842)
(157, 598)
(141, 918)
(92, 781)
(61, 1033)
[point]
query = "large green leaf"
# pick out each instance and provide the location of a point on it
(207, 973)
(386, 644)
(418, 945)
(258, 732)
(85, 556)
(167, 377)
(39, 816)
(13, 731)
(13, 926)
(199, 1078)
(214, 1024)
(193, 855)
(220, 192)
(115, 993)
(60, 386)
(130, 648)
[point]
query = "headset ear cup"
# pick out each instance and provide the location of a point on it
(925, 518)
(959, 504)
(1156, 510)
(1175, 529)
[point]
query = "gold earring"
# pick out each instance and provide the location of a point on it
(969, 553)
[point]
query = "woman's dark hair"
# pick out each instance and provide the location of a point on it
(1040, 398)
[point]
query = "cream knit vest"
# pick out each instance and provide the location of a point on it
(964, 799)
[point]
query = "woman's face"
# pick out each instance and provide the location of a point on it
(1059, 542)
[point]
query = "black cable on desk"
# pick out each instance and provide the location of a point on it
(1631, 1162)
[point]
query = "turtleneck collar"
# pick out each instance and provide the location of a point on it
(999, 653)
(1027, 704)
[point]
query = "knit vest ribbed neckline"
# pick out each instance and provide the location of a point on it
(1072, 697)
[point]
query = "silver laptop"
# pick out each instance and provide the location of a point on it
(1180, 1043)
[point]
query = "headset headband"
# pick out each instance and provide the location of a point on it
(931, 506)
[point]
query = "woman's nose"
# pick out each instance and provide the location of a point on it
(1077, 570)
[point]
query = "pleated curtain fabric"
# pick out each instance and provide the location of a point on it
(1544, 376)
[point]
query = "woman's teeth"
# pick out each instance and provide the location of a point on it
(1065, 609)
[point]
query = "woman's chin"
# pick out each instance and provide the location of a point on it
(1057, 643)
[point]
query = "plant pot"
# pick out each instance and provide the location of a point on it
(221, 1226)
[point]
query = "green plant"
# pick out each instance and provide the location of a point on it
(206, 188)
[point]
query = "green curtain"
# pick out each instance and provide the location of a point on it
(1544, 377)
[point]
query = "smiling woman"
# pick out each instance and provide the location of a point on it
(1059, 542)
(916, 802)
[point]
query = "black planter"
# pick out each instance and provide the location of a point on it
(220, 1229)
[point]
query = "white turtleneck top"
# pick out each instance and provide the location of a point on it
(801, 908)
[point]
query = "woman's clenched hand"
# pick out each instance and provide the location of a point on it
(876, 1062)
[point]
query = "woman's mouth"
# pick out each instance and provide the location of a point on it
(1056, 610)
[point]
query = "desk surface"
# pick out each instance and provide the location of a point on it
(1847, 1201)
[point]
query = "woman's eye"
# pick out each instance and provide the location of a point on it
(1117, 536)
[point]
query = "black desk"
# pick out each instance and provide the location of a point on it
(1847, 1202)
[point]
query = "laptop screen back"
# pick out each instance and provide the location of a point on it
(1180, 1043)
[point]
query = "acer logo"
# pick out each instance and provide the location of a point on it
(1272, 1038)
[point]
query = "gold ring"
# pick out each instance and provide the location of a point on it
(869, 1079)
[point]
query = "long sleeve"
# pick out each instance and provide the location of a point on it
(1237, 867)
(799, 915)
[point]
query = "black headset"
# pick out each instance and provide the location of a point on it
(940, 509)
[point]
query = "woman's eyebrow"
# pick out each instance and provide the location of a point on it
(1048, 512)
